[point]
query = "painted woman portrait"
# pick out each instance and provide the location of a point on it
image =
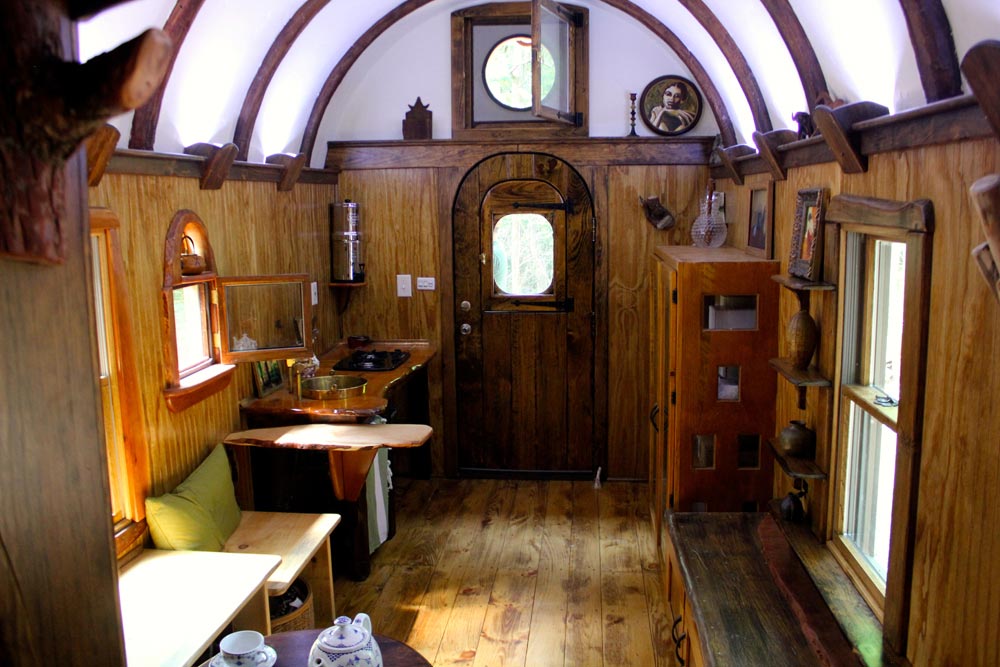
(670, 105)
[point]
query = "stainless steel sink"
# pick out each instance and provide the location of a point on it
(325, 387)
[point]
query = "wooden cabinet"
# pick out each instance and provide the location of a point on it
(715, 319)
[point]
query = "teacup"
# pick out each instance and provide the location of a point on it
(243, 648)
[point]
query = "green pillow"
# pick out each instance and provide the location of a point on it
(201, 513)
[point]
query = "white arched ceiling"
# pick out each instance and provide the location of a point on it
(862, 45)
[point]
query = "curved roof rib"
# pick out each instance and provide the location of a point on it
(147, 116)
(279, 48)
(340, 70)
(934, 46)
(733, 54)
(800, 48)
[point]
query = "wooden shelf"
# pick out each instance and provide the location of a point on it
(802, 287)
(796, 467)
(801, 378)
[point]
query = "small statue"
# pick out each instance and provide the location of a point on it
(656, 213)
(806, 126)
(417, 121)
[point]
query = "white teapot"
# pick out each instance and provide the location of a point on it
(346, 644)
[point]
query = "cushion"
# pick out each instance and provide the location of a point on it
(201, 513)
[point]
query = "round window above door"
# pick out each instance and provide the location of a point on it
(507, 72)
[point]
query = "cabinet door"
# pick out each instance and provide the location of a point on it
(659, 298)
(727, 319)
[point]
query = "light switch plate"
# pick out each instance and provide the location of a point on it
(404, 285)
(425, 283)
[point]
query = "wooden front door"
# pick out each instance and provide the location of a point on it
(524, 271)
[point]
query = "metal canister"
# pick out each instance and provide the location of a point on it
(346, 261)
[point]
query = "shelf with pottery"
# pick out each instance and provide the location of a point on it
(802, 335)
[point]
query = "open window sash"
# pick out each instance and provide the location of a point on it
(553, 26)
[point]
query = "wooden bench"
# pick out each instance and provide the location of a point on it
(303, 543)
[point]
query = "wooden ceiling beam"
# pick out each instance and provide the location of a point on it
(146, 117)
(275, 54)
(799, 48)
(739, 64)
(934, 48)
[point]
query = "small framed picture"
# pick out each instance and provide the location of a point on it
(670, 105)
(806, 256)
(266, 377)
(760, 225)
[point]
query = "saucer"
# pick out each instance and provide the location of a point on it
(272, 657)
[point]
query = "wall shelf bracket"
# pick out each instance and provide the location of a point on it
(293, 165)
(837, 128)
(218, 161)
(767, 145)
(728, 157)
(980, 66)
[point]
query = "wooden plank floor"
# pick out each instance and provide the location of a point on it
(519, 573)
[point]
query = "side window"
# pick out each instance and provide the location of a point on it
(518, 69)
(123, 427)
(884, 288)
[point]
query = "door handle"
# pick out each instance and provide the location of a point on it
(465, 329)
(652, 416)
(565, 305)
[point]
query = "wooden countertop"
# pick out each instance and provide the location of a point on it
(753, 601)
(285, 403)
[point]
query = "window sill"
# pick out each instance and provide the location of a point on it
(198, 386)
(860, 625)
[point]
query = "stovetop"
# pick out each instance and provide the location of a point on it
(372, 360)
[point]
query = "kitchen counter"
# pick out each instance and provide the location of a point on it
(283, 403)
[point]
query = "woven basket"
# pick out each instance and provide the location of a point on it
(284, 619)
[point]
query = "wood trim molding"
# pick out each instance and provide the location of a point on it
(343, 156)
(933, 47)
(734, 56)
(149, 163)
(275, 54)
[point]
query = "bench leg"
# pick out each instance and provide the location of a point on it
(318, 574)
(255, 614)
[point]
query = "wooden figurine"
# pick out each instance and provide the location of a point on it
(417, 122)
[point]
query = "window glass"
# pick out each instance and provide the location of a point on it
(507, 72)
(871, 456)
(555, 39)
(887, 314)
(191, 322)
(523, 254)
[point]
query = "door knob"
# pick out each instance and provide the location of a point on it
(465, 329)
(465, 306)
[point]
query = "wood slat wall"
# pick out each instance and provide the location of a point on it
(254, 230)
(955, 586)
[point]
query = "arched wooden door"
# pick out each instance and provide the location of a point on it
(524, 314)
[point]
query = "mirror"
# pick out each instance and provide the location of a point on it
(264, 317)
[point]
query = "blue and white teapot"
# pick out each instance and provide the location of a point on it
(346, 644)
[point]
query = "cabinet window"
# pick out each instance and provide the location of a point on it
(523, 254)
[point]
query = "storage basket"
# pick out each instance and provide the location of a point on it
(285, 617)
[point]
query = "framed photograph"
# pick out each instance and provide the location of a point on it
(760, 224)
(267, 377)
(670, 105)
(806, 257)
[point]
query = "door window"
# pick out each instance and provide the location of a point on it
(523, 254)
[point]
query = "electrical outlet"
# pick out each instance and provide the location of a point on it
(315, 294)
(404, 286)
(425, 283)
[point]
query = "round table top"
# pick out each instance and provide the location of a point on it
(293, 649)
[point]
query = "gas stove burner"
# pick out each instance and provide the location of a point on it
(372, 360)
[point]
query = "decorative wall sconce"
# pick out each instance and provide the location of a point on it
(218, 161)
(656, 213)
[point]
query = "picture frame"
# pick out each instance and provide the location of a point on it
(267, 377)
(806, 255)
(760, 222)
(670, 105)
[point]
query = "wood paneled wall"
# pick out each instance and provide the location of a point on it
(254, 230)
(955, 585)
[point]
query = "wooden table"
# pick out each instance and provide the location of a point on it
(174, 603)
(293, 650)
